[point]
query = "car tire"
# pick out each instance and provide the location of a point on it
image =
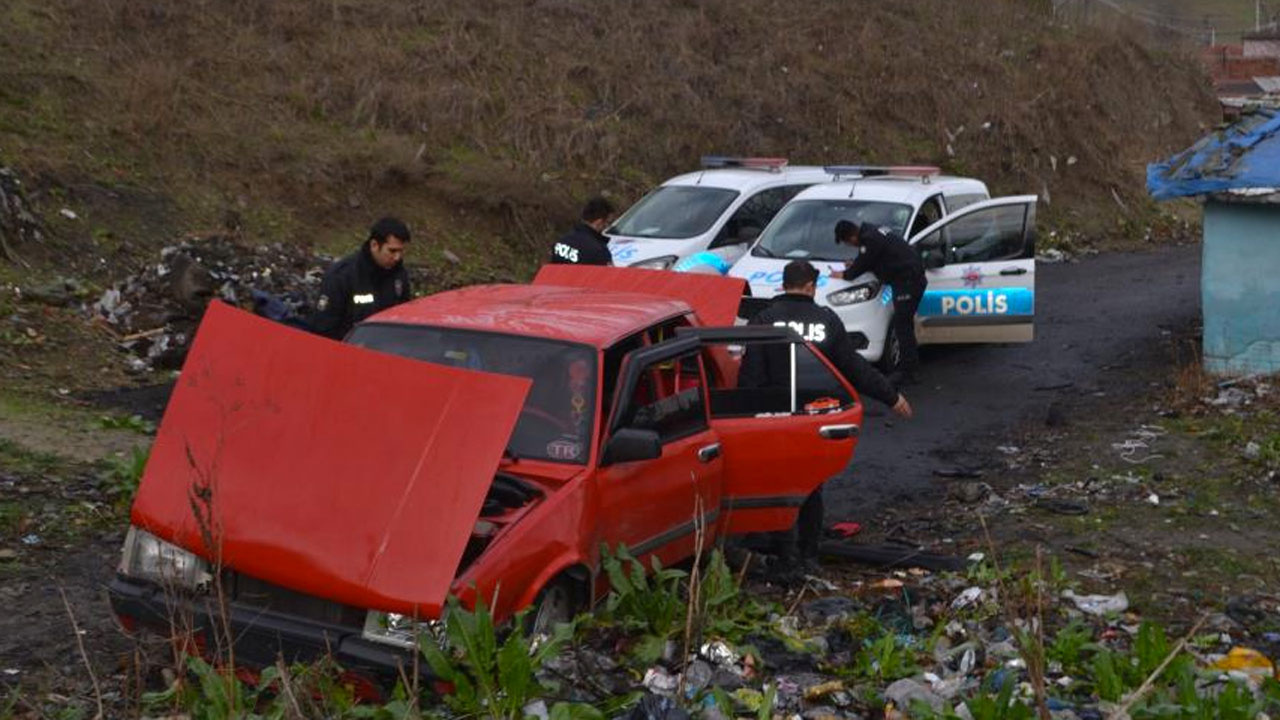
(558, 602)
(891, 354)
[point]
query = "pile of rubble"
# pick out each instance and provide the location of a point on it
(155, 311)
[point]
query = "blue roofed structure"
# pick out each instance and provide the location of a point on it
(1236, 173)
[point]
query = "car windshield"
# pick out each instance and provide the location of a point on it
(806, 228)
(555, 423)
(674, 212)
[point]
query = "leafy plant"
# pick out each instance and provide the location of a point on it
(725, 610)
(124, 473)
(136, 423)
(650, 603)
(492, 679)
(885, 659)
(1069, 644)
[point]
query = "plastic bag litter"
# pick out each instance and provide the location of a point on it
(1099, 604)
(1247, 661)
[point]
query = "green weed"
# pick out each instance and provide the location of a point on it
(135, 423)
(124, 473)
(650, 604)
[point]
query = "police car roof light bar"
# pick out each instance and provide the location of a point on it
(772, 164)
(924, 172)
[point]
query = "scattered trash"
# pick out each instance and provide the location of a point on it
(656, 707)
(1153, 499)
(1252, 450)
(1099, 604)
(68, 213)
(31, 540)
(847, 529)
(821, 690)
(1247, 661)
(969, 597)
(906, 691)
(658, 680)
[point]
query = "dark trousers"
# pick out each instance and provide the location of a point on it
(809, 525)
(905, 302)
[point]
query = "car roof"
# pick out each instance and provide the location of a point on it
(582, 315)
(904, 190)
(747, 179)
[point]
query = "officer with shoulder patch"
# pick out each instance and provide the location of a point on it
(586, 243)
(897, 264)
(368, 280)
(819, 325)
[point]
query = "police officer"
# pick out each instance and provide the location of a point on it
(586, 243)
(819, 325)
(370, 279)
(895, 263)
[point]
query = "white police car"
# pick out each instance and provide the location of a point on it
(704, 221)
(979, 256)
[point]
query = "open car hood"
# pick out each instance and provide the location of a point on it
(325, 468)
(714, 298)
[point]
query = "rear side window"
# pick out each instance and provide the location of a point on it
(955, 202)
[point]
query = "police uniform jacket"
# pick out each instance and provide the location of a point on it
(889, 257)
(822, 327)
(582, 246)
(354, 288)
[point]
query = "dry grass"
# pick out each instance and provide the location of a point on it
(326, 112)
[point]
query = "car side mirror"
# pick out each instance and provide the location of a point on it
(632, 444)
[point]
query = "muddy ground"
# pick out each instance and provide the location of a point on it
(1093, 444)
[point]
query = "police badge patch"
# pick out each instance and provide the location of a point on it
(323, 303)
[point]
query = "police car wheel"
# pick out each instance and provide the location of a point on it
(891, 355)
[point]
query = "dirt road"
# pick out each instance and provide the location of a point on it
(1097, 322)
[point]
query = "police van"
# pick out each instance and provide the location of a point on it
(979, 256)
(704, 221)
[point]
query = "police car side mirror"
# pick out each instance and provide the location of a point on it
(631, 444)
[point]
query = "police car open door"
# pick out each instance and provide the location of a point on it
(981, 266)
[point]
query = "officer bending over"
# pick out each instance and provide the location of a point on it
(586, 243)
(796, 309)
(368, 280)
(895, 263)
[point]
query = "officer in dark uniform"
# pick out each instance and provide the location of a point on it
(895, 263)
(586, 243)
(819, 325)
(368, 280)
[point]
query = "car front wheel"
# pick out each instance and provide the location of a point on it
(891, 355)
(559, 602)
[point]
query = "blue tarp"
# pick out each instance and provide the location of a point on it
(1242, 156)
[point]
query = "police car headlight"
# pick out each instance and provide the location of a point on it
(659, 263)
(147, 557)
(856, 294)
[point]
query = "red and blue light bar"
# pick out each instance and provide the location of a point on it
(713, 162)
(868, 171)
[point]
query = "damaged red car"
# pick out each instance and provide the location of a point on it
(307, 498)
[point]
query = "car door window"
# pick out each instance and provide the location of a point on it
(994, 233)
(766, 384)
(668, 398)
(751, 217)
(930, 212)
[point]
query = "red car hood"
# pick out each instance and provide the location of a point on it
(325, 468)
(714, 298)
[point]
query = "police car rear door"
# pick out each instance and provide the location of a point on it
(981, 266)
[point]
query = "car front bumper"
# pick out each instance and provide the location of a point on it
(261, 637)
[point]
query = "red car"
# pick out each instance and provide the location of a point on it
(326, 498)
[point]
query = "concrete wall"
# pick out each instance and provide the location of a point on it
(1241, 288)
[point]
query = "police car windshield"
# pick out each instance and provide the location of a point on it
(674, 212)
(555, 423)
(806, 228)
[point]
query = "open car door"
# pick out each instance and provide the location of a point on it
(781, 438)
(981, 266)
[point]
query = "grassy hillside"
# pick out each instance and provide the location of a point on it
(304, 119)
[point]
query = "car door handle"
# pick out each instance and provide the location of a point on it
(838, 432)
(707, 453)
(1014, 271)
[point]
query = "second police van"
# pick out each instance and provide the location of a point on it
(979, 256)
(704, 221)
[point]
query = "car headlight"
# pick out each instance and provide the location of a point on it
(400, 630)
(855, 294)
(663, 262)
(147, 557)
